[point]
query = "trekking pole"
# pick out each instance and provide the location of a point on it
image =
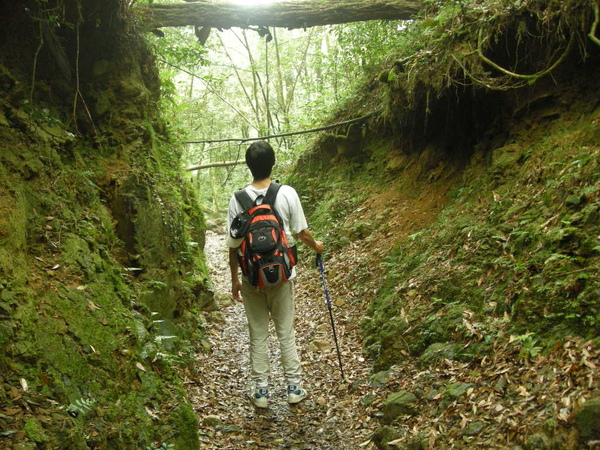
(326, 291)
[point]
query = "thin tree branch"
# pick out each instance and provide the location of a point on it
(292, 93)
(295, 133)
(237, 74)
(35, 60)
(258, 83)
(78, 94)
(215, 164)
(266, 88)
(280, 90)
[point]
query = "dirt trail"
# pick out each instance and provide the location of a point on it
(501, 400)
(330, 418)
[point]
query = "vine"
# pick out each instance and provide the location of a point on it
(78, 94)
(44, 18)
(35, 60)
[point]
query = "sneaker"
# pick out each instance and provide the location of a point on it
(296, 394)
(260, 397)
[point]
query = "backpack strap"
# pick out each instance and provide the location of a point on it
(269, 198)
(244, 199)
(271, 194)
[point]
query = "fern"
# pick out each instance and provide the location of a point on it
(81, 406)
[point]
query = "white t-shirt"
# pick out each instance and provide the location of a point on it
(287, 204)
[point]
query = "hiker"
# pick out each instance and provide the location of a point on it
(274, 301)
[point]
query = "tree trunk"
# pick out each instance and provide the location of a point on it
(286, 14)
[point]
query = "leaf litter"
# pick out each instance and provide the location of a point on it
(219, 382)
(510, 398)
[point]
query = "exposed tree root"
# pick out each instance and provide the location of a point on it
(532, 77)
(592, 34)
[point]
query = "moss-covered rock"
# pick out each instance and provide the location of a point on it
(440, 351)
(587, 419)
(399, 404)
(35, 431)
(382, 435)
(456, 390)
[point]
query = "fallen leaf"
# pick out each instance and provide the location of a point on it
(11, 411)
(150, 413)
(522, 391)
(92, 306)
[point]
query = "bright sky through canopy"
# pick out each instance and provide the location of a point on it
(254, 2)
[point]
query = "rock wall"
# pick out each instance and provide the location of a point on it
(101, 266)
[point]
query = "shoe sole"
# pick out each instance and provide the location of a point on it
(293, 398)
(259, 402)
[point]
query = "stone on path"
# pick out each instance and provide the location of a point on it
(211, 421)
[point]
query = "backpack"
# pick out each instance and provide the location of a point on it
(264, 255)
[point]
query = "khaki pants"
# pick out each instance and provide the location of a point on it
(260, 305)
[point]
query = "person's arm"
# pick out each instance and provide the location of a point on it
(307, 239)
(236, 285)
(233, 244)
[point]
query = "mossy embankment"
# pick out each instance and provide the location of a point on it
(473, 202)
(101, 265)
(488, 198)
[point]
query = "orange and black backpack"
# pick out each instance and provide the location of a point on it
(264, 255)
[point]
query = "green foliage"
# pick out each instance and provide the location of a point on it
(530, 347)
(35, 431)
(43, 116)
(237, 85)
(178, 49)
(365, 45)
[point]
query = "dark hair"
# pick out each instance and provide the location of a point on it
(260, 158)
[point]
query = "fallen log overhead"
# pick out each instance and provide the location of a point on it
(285, 14)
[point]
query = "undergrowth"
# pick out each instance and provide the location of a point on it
(521, 243)
(515, 246)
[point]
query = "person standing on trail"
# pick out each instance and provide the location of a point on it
(274, 301)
